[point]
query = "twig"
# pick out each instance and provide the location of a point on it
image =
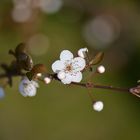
(97, 86)
(91, 85)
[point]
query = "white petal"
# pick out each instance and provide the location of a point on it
(66, 55)
(35, 83)
(32, 91)
(78, 63)
(21, 90)
(28, 88)
(61, 75)
(77, 77)
(57, 66)
(82, 52)
(67, 79)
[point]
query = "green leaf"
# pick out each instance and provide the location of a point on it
(97, 59)
(29, 75)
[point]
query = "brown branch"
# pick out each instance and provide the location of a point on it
(97, 86)
(85, 85)
(91, 85)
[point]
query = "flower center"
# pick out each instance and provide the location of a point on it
(69, 67)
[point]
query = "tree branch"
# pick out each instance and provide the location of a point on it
(97, 86)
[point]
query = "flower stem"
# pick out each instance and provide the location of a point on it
(91, 85)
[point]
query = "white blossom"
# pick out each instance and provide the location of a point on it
(68, 68)
(28, 88)
(82, 52)
(98, 106)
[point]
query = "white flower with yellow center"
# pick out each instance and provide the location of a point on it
(68, 68)
(28, 88)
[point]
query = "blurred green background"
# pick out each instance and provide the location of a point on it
(60, 112)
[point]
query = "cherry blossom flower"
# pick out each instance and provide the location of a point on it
(68, 68)
(28, 88)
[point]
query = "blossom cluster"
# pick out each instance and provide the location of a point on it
(68, 69)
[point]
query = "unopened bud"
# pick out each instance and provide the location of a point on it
(135, 91)
(101, 69)
(47, 80)
(39, 74)
(98, 106)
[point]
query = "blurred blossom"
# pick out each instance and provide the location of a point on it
(101, 31)
(70, 14)
(35, 3)
(2, 93)
(50, 6)
(38, 44)
(22, 3)
(21, 14)
(28, 88)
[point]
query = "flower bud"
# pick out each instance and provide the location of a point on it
(98, 106)
(101, 69)
(82, 52)
(39, 74)
(47, 80)
(135, 91)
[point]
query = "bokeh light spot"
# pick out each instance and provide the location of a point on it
(38, 44)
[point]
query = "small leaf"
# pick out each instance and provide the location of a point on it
(21, 48)
(10, 82)
(11, 52)
(29, 75)
(29, 63)
(25, 61)
(97, 59)
(39, 68)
